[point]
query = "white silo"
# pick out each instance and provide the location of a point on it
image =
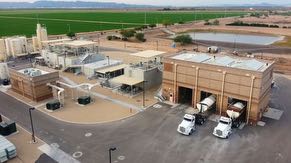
(2, 50)
(41, 34)
(4, 74)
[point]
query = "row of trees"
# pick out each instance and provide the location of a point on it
(127, 34)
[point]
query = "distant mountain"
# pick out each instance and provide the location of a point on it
(68, 4)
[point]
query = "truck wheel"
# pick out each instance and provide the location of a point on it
(191, 132)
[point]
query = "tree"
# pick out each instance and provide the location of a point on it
(152, 25)
(215, 22)
(181, 22)
(71, 35)
(207, 22)
(127, 33)
(166, 23)
(140, 37)
(183, 39)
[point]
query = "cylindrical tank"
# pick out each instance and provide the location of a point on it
(206, 103)
(235, 110)
(4, 74)
(2, 50)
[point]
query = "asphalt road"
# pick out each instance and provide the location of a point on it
(151, 136)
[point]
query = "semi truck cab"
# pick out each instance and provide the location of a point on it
(224, 128)
(187, 126)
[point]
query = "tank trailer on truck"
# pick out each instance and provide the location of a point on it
(235, 118)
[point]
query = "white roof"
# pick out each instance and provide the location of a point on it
(126, 80)
(102, 64)
(79, 43)
(56, 41)
(227, 61)
(148, 54)
(112, 68)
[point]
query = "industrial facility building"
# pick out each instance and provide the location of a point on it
(77, 56)
(191, 77)
(145, 74)
(32, 82)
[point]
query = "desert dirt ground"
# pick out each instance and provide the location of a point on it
(158, 39)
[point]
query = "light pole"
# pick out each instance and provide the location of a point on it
(110, 151)
(143, 93)
(31, 123)
(69, 27)
(108, 60)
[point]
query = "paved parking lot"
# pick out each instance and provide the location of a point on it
(151, 136)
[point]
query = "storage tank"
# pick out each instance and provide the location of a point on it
(206, 103)
(4, 74)
(235, 110)
(16, 46)
(35, 44)
(2, 50)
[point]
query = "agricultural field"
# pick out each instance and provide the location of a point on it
(23, 22)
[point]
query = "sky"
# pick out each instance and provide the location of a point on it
(179, 2)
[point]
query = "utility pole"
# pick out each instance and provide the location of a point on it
(145, 17)
(157, 45)
(69, 27)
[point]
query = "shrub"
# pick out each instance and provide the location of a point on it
(109, 37)
(140, 37)
(215, 22)
(71, 34)
(183, 39)
(152, 25)
(127, 33)
(166, 23)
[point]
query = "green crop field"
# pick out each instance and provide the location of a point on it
(23, 22)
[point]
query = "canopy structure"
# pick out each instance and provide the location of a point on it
(79, 43)
(111, 69)
(147, 54)
(56, 41)
(126, 80)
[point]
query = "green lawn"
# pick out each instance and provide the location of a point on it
(23, 22)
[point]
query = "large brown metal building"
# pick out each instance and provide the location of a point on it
(32, 82)
(190, 77)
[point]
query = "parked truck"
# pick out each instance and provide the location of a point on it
(187, 126)
(199, 116)
(204, 109)
(235, 117)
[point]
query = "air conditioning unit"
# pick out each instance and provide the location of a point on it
(53, 105)
(84, 100)
(7, 128)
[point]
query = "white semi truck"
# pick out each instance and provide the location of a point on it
(199, 116)
(187, 126)
(235, 117)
